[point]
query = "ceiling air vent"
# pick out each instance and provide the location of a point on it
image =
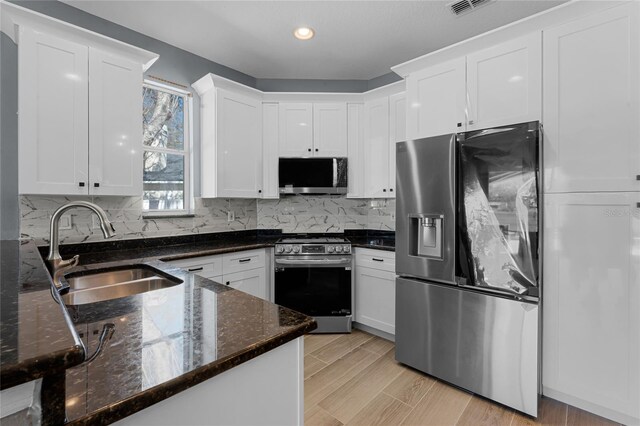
(465, 6)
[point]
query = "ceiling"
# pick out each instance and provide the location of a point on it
(354, 39)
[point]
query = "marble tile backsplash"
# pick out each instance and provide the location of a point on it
(210, 215)
(325, 213)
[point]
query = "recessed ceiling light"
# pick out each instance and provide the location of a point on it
(304, 33)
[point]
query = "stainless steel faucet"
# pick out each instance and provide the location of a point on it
(58, 266)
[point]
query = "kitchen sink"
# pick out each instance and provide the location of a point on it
(90, 287)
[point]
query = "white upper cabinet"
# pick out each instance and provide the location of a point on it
(330, 129)
(239, 145)
(53, 115)
(313, 130)
(355, 141)
(115, 125)
(591, 102)
(79, 108)
(296, 130)
(436, 100)
(591, 299)
(376, 148)
(270, 150)
(504, 83)
(397, 133)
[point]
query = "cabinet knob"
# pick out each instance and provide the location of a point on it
(309, 149)
(459, 124)
(80, 183)
(637, 177)
(390, 189)
(316, 149)
(384, 190)
(259, 191)
(227, 283)
(96, 185)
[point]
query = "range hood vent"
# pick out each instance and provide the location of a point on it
(463, 7)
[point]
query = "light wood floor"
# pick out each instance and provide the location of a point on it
(353, 379)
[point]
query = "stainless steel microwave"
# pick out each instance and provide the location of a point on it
(312, 175)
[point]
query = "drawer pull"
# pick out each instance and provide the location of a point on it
(228, 282)
(377, 260)
(245, 260)
(195, 269)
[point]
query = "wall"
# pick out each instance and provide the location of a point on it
(325, 213)
(210, 215)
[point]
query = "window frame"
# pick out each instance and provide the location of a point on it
(187, 152)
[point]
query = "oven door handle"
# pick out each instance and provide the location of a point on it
(314, 262)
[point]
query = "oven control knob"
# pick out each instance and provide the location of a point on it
(279, 249)
(296, 249)
(287, 249)
(346, 249)
(338, 249)
(330, 249)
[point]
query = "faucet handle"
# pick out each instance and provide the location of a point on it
(69, 263)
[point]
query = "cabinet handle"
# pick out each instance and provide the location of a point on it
(470, 121)
(390, 189)
(384, 190)
(316, 149)
(375, 259)
(637, 178)
(96, 185)
(259, 191)
(195, 269)
(459, 124)
(80, 183)
(309, 149)
(638, 205)
(245, 260)
(227, 283)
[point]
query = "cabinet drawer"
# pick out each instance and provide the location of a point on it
(205, 266)
(376, 259)
(250, 281)
(243, 260)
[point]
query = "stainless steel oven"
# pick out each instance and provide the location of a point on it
(313, 276)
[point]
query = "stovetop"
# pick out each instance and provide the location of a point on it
(312, 240)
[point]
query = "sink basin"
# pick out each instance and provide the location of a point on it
(88, 287)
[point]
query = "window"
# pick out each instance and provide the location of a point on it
(167, 145)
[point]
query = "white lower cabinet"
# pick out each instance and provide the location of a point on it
(591, 301)
(244, 270)
(375, 289)
(252, 281)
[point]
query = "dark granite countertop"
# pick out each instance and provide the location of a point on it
(35, 340)
(168, 340)
(200, 327)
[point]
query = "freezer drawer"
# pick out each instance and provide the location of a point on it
(485, 344)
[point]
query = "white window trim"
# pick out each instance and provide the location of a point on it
(188, 200)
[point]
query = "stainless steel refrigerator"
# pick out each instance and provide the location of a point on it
(467, 260)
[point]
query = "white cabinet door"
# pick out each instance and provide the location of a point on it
(330, 130)
(53, 115)
(591, 102)
(504, 83)
(253, 281)
(355, 138)
(592, 300)
(115, 125)
(296, 130)
(375, 295)
(376, 148)
(398, 133)
(436, 100)
(239, 145)
(270, 150)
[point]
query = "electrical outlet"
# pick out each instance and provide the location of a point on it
(66, 222)
(231, 216)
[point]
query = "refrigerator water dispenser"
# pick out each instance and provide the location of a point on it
(426, 235)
